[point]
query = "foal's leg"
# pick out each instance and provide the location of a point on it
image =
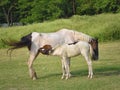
(63, 69)
(32, 72)
(66, 62)
(89, 62)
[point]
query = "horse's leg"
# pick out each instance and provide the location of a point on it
(32, 72)
(89, 62)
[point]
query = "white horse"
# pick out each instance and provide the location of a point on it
(34, 41)
(66, 51)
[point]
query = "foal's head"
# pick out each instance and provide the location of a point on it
(45, 49)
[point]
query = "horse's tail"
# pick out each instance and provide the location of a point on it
(94, 49)
(25, 41)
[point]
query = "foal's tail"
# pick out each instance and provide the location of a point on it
(25, 41)
(94, 49)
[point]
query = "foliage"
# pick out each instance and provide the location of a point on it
(31, 11)
(45, 10)
(25, 7)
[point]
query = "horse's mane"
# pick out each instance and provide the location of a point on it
(77, 35)
(82, 36)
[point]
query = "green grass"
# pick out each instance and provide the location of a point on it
(105, 26)
(14, 72)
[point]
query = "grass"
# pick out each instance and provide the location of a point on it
(106, 27)
(14, 72)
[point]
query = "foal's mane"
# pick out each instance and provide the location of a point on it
(73, 43)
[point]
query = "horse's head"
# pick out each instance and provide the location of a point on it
(46, 49)
(94, 44)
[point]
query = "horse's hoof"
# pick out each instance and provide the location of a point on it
(34, 78)
(62, 77)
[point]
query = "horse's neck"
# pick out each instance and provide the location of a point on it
(82, 36)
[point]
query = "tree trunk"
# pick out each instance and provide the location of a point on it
(6, 16)
(73, 6)
(11, 19)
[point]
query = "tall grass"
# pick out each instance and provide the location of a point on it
(105, 27)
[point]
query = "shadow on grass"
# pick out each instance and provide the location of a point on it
(107, 71)
(50, 75)
(104, 71)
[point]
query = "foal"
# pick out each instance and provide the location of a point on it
(66, 51)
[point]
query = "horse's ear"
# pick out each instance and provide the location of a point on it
(96, 38)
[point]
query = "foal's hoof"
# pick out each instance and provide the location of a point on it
(67, 78)
(90, 76)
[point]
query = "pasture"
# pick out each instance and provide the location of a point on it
(14, 71)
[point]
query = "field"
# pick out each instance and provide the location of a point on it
(106, 27)
(14, 71)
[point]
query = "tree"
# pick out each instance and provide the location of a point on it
(43, 10)
(25, 7)
(30, 11)
(8, 9)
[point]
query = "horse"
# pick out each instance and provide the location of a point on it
(66, 51)
(34, 41)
